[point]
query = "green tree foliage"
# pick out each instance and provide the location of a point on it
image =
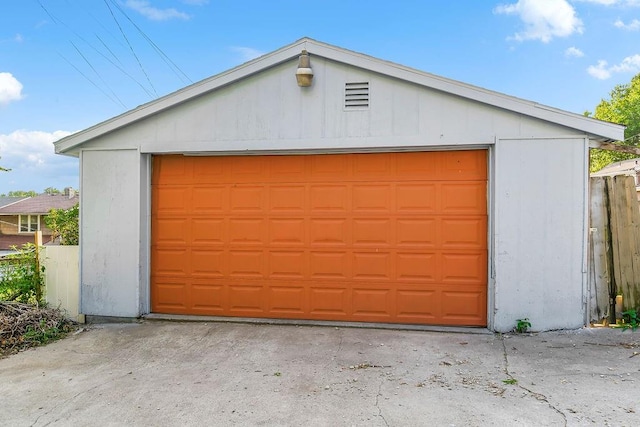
(21, 276)
(52, 191)
(22, 193)
(622, 107)
(64, 224)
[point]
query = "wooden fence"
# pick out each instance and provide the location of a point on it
(614, 246)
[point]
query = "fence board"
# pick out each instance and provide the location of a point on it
(62, 278)
(600, 252)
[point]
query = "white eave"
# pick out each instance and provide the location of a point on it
(596, 129)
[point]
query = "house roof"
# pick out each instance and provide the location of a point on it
(39, 205)
(625, 167)
(5, 201)
(596, 129)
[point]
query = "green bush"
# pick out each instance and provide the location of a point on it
(64, 224)
(21, 277)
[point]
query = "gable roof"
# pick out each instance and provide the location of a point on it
(39, 205)
(6, 201)
(596, 129)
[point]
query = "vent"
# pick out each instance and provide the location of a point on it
(356, 95)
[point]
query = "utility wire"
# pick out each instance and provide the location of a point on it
(172, 65)
(131, 47)
(98, 74)
(88, 79)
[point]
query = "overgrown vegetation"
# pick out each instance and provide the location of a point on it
(21, 276)
(26, 325)
(64, 224)
(630, 320)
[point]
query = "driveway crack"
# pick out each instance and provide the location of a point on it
(538, 396)
(378, 395)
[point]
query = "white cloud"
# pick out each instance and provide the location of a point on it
(602, 71)
(612, 2)
(10, 89)
(33, 163)
(599, 71)
(633, 25)
(145, 9)
(247, 53)
(573, 52)
(543, 20)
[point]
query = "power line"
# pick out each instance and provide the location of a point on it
(130, 47)
(88, 79)
(172, 65)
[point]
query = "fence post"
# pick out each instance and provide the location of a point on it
(38, 279)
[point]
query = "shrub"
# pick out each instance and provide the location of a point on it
(21, 277)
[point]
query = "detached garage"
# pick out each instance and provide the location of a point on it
(362, 192)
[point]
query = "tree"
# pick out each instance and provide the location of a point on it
(22, 193)
(623, 107)
(52, 191)
(64, 224)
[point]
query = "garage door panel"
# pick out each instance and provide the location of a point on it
(207, 231)
(209, 200)
(373, 232)
(416, 198)
(171, 296)
(463, 198)
(287, 199)
(373, 266)
(246, 299)
(420, 267)
(173, 231)
(172, 200)
(247, 199)
(332, 301)
(392, 237)
(464, 233)
(331, 232)
(288, 265)
(247, 231)
(246, 264)
(287, 300)
(418, 233)
(208, 297)
(173, 262)
(326, 265)
(287, 232)
(373, 199)
(465, 268)
(331, 199)
(208, 263)
(373, 303)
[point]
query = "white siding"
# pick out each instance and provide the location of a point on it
(269, 112)
(110, 235)
(539, 233)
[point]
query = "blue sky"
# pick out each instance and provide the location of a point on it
(66, 65)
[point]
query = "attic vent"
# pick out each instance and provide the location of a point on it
(356, 95)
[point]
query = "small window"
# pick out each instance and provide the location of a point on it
(29, 223)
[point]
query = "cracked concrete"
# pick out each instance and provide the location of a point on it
(171, 373)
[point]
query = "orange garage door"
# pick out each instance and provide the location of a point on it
(393, 237)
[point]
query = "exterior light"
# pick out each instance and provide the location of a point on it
(304, 73)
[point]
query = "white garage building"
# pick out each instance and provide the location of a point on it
(378, 193)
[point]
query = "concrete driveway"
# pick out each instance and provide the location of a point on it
(172, 373)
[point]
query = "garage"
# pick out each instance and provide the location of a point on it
(386, 237)
(318, 183)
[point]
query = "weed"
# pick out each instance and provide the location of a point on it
(522, 325)
(277, 374)
(21, 277)
(630, 320)
(510, 381)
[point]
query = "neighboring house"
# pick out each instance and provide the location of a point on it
(379, 193)
(629, 167)
(22, 217)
